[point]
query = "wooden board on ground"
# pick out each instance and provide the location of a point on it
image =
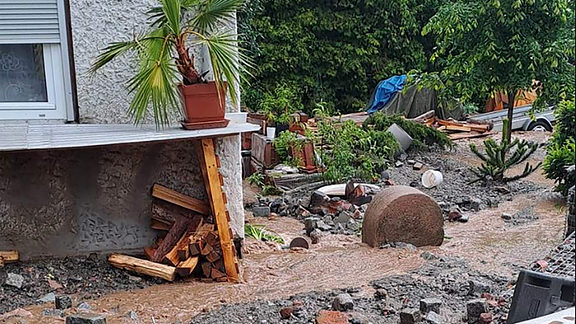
(144, 267)
(176, 198)
(10, 256)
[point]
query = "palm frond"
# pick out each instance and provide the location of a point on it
(173, 12)
(210, 13)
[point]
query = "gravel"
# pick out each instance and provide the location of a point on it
(446, 279)
(87, 278)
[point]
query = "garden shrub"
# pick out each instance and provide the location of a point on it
(561, 149)
(335, 51)
(422, 135)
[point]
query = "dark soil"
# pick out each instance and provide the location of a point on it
(87, 278)
(446, 279)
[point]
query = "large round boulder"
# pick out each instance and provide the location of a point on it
(403, 214)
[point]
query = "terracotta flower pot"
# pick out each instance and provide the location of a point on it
(202, 105)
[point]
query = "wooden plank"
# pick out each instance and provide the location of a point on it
(145, 267)
(209, 167)
(171, 239)
(160, 225)
(10, 256)
(458, 128)
(186, 267)
(179, 199)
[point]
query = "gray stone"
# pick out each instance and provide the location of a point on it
(464, 218)
(398, 164)
(506, 216)
(323, 226)
(63, 302)
(418, 166)
(343, 302)
(353, 225)
(261, 211)
(428, 256)
(343, 217)
(428, 305)
(475, 204)
(433, 318)
(315, 236)
(48, 298)
(52, 312)
(410, 316)
(474, 308)
(84, 306)
(85, 319)
(477, 287)
(310, 224)
(381, 294)
(132, 315)
(14, 280)
(410, 162)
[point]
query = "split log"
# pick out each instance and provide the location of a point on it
(173, 256)
(160, 225)
(1, 262)
(216, 274)
(213, 256)
(179, 199)
(185, 268)
(182, 225)
(206, 269)
(10, 256)
(144, 267)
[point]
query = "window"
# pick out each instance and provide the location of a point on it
(34, 69)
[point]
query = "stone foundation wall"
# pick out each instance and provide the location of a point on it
(72, 202)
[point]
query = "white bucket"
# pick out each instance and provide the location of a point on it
(271, 133)
(432, 178)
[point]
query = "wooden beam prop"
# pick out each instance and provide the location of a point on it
(144, 267)
(209, 163)
(179, 199)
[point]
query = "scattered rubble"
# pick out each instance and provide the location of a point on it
(63, 302)
(522, 217)
(85, 319)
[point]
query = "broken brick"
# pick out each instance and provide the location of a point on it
(331, 317)
(485, 318)
(430, 305)
(286, 312)
(410, 316)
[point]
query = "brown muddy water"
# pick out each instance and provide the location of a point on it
(269, 272)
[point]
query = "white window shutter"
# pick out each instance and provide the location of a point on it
(29, 21)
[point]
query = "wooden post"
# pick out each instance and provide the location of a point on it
(209, 163)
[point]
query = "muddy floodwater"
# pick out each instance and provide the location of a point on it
(268, 272)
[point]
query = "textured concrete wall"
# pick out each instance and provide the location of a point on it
(69, 202)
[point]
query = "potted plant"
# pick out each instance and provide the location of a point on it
(167, 78)
(278, 106)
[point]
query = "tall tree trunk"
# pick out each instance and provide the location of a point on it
(511, 99)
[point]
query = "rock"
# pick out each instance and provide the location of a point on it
(323, 226)
(85, 319)
(261, 211)
(352, 225)
(52, 312)
(84, 306)
(477, 287)
(302, 212)
(48, 298)
(474, 308)
(317, 200)
(410, 316)
(464, 218)
(502, 189)
(433, 318)
(357, 214)
(132, 315)
(343, 217)
(381, 294)
(310, 224)
(418, 166)
(384, 175)
(331, 317)
(410, 162)
(403, 214)
(399, 164)
(299, 242)
(428, 256)
(430, 305)
(63, 302)
(485, 318)
(134, 278)
(315, 236)
(343, 302)
(14, 280)
(454, 214)
(475, 204)
(506, 216)
(286, 312)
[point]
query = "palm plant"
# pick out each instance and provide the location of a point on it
(176, 27)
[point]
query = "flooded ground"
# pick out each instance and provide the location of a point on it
(486, 242)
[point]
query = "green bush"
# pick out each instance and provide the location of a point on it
(422, 135)
(352, 152)
(279, 104)
(561, 149)
(282, 145)
(336, 51)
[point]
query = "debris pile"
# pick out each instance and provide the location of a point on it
(188, 243)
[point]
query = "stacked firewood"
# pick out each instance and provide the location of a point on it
(187, 245)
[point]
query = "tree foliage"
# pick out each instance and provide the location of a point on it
(484, 46)
(333, 51)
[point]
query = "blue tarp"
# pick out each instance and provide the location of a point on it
(385, 91)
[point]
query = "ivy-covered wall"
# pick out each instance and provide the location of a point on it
(332, 50)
